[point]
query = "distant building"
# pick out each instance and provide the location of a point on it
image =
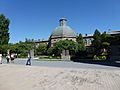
(62, 32)
(114, 33)
(115, 45)
(88, 39)
(65, 32)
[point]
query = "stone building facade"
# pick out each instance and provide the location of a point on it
(63, 32)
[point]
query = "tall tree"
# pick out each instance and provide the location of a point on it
(80, 43)
(105, 39)
(79, 39)
(97, 40)
(80, 47)
(101, 43)
(4, 28)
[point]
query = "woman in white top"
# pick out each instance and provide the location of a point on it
(12, 58)
(0, 58)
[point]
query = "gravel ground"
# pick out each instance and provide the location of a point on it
(18, 77)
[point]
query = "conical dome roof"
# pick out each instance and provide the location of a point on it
(63, 30)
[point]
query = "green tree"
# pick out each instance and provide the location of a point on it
(50, 51)
(20, 48)
(80, 47)
(79, 39)
(80, 43)
(105, 44)
(64, 45)
(105, 40)
(101, 43)
(97, 41)
(4, 28)
(41, 49)
(3, 49)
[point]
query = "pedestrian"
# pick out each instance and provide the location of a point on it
(8, 58)
(29, 59)
(12, 58)
(0, 58)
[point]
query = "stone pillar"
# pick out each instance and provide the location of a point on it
(65, 55)
(32, 53)
(8, 52)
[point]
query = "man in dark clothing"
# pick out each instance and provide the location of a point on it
(29, 59)
(8, 58)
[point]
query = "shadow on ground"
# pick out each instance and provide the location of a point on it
(105, 63)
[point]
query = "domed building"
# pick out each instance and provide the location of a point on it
(62, 32)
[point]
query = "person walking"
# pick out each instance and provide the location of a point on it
(8, 58)
(29, 59)
(0, 58)
(12, 58)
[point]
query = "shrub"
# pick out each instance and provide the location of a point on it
(99, 57)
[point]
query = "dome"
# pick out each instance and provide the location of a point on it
(63, 30)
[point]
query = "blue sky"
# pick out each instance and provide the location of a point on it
(38, 18)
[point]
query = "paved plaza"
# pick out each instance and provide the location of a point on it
(61, 64)
(21, 77)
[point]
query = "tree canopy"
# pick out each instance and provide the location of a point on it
(41, 49)
(65, 45)
(4, 28)
(80, 46)
(101, 41)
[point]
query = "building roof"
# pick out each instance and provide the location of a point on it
(114, 32)
(63, 30)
